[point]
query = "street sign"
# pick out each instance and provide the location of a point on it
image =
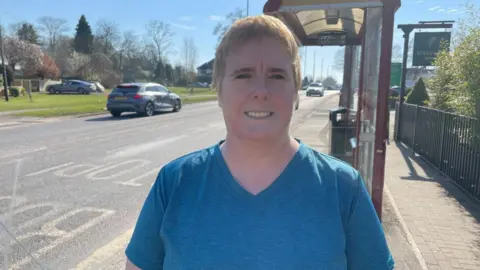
(427, 45)
(395, 74)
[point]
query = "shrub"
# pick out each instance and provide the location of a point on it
(16, 91)
(418, 95)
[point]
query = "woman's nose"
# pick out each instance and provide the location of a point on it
(260, 90)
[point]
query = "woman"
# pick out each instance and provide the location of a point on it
(260, 199)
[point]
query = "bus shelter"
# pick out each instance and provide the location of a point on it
(365, 28)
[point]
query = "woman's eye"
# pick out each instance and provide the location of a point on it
(243, 76)
(277, 76)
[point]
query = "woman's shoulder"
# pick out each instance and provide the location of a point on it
(328, 164)
(192, 161)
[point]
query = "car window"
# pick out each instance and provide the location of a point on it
(162, 89)
(151, 88)
(126, 89)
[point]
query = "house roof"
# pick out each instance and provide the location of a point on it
(207, 65)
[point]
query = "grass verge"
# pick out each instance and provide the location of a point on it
(97, 108)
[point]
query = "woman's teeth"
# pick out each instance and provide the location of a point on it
(258, 114)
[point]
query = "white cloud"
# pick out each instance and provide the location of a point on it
(452, 10)
(419, 1)
(216, 18)
(441, 10)
(183, 26)
(185, 18)
(434, 8)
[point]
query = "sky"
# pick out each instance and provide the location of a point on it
(197, 19)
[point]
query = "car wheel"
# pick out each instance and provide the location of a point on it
(177, 106)
(115, 113)
(149, 109)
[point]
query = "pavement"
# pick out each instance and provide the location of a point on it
(442, 222)
(71, 188)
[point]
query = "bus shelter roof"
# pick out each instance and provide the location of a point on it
(325, 22)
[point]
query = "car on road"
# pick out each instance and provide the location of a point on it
(315, 89)
(142, 98)
(72, 87)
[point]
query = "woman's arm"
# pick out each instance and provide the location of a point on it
(146, 249)
(366, 244)
(131, 266)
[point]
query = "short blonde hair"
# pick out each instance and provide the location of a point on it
(252, 28)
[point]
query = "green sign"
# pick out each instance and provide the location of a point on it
(427, 45)
(395, 74)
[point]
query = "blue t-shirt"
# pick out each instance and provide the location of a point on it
(316, 215)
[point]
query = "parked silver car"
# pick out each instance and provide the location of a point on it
(142, 98)
(72, 87)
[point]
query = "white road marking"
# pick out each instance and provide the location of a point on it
(145, 147)
(64, 172)
(24, 152)
(141, 163)
(133, 182)
(50, 229)
(103, 255)
(49, 169)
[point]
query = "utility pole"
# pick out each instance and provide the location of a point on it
(314, 79)
(305, 62)
(5, 84)
(248, 3)
(321, 71)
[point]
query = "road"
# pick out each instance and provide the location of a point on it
(71, 188)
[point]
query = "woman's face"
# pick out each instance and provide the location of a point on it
(258, 91)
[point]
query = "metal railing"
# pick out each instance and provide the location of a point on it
(448, 141)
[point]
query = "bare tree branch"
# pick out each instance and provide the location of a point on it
(107, 36)
(189, 54)
(159, 39)
(52, 28)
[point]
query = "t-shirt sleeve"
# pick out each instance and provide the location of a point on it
(146, 249)
(366, 246)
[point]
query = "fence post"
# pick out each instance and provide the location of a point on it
(442, 138)
(415, 128)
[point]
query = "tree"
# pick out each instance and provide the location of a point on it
(159, 75)
(180, 75)
(339, 59)
(329, 82)
(419, 95)
(27, 55)
(158, 41)
(52, 28)
(190, 55)
(222, 27)
(83, 41)
(107, 34)
(456, 84)
(169, 73)
(49, 69)
(306, 80)
(9, 75)
(63, 54)
(25, 32)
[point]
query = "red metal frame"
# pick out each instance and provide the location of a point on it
(382, 105)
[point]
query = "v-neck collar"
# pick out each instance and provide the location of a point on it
(239, 189)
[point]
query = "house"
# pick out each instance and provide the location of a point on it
(205, 72)
(206, 69)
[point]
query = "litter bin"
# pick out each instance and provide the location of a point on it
(343, 129)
